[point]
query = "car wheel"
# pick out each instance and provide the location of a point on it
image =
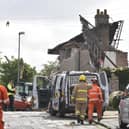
(121, 123)
(28, 109)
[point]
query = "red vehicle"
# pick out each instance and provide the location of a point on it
(23, 97)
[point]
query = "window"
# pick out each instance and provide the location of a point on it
(67, 53)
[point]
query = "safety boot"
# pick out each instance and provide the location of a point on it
(78, 119)
(90, 121)
(99, 119)
(82, 122)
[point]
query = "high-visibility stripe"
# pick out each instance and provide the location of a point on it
(72, 97)
(11, 93)
(9, 86)
(93, 93)
(81, 99)
(94, 99)
(4, 101)
(77, 112)
(82, 91)
(82, 116)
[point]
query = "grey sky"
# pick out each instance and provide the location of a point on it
(49, 22)
(46, 8)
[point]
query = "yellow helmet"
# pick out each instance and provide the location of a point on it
(82, 78)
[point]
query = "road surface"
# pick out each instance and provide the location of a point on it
(42, 120)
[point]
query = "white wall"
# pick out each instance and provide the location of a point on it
(112, 56)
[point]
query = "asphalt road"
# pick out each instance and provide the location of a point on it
(42, 120)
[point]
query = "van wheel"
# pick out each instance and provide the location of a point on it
(61, 112)
(51, 111)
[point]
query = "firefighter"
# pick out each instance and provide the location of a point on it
(79, 97)
(3, 100)
(11, 94)
(95, 101)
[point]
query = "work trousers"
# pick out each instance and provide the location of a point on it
(11, 103)
(1, 119)
(80, 110)
(92, 106)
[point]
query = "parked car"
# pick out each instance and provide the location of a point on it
(23, 98)
(124, 109)
(23, 103)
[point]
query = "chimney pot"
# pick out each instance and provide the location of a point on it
(98, 11)
(105, 11)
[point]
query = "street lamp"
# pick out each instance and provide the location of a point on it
(18, 74)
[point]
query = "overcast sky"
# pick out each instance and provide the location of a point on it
(47, 23)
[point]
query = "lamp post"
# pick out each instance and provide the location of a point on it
(18, 74)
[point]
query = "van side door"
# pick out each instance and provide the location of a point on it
(105, 87)
(57, 91)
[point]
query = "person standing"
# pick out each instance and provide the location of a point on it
(79, 97)
(3, 100)
(11, 94)
(95, 101)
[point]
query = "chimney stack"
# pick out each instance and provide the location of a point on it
(101, 17)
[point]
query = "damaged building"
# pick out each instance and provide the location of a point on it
(94, 48)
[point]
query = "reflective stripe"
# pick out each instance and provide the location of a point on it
(72, 97)
(77, 112)
(10, 93)
(82, 116)
(93, 93)
(4, 101)
(94, 99)
(81, 99)
(84, 91)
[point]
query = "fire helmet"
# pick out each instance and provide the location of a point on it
(82, 78)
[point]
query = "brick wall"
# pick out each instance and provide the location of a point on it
(122, 59)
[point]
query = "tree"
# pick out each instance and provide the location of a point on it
(49, 68)
(9, 70)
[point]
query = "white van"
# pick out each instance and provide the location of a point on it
(63, 84)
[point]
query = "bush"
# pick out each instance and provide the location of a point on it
(114, 99)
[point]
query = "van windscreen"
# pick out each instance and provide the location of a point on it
(74, 78)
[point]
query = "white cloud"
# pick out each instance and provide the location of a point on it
(39, 37)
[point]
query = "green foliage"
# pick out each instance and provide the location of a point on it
(121, 73)
(49, 68)
(114, 99)
(9, 70)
